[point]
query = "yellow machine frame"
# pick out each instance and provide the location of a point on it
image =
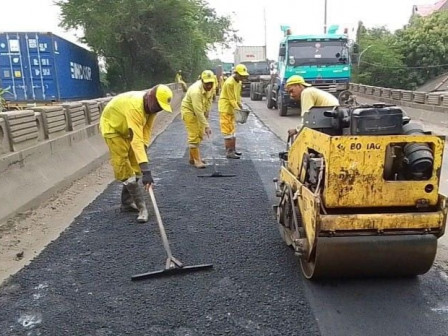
(353, 179)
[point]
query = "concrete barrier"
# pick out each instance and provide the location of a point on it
(92, 111)
(54, 120)
(5, 146)
(33, 167)
(76, 115)
(21, 128)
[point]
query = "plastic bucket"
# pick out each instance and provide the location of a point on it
(242, 115)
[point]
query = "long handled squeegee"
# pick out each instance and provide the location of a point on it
(172, 266)
(215, 173)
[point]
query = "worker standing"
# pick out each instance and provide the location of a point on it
(195, 109)
(179, 79)
(126, 124)
(215, 87)
(308, 96)
(229, 101)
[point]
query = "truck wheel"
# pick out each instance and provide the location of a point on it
(258, 91)
(269, 102)
(282, 108)
(252, 91)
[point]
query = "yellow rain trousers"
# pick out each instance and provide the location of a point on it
(227, 103)
(194, 110)
(126, 129)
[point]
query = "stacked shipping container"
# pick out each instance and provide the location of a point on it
(42, 67)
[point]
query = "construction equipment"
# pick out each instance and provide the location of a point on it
(172, 266)
(215, 173)
(359, 193)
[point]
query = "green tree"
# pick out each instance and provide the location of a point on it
(406, 59)
(424, 45)
(381, 61)
(2, 99)
(146, 41)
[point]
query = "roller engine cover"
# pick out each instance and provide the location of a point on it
(378, 119)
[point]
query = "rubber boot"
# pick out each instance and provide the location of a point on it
(127, 202)
(230, 150)
(191, 160)
(234, 147)
(137, 194)
(194, 152)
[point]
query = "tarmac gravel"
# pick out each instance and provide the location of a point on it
(81, 283)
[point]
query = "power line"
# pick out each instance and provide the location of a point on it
(406, 67)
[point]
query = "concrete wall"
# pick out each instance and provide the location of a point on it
(432, 107)
(45, 149)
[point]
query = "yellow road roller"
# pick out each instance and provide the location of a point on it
(358, 193)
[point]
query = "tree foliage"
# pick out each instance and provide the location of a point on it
(424, 46)
(145, 42)
(407, 58)
(380, 63)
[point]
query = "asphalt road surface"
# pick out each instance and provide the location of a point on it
(81, 283)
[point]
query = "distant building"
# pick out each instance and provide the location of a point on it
(426, 10)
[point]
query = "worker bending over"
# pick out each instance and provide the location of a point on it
(126, 124)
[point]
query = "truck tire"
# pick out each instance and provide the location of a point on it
(269, 102)
(257, 88)
(253, 91)
(282, 108)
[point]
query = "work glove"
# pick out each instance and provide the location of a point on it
(147, 179)
(208, 131)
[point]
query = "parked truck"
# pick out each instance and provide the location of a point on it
(322, 60)
(254, 58)
(44, 68)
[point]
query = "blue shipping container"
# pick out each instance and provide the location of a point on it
(44, 67)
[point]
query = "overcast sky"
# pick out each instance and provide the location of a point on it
(248, 17)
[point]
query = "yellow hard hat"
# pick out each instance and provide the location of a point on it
(164, 96)
(296, 79)
(207, 76)
(241, 70)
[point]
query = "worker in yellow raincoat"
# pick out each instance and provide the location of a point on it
(126, 125)
(195, 108)
(229, 101)
(180, 80)
(215, 89)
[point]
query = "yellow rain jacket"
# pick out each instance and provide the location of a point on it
(178, 78)
(125, 112)
(230, 96)
(194, 109)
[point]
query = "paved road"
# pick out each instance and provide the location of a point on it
(81, 283)
(376, 307)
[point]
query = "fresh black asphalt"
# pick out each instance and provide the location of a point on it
(81, 283)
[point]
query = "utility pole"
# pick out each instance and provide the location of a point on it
(325, 17)
(265, 34)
